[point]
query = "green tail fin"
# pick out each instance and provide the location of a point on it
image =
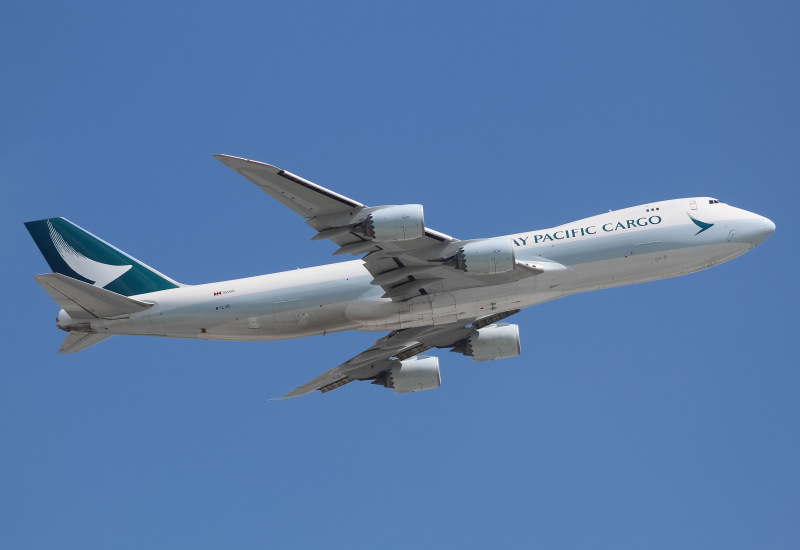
(74, 252)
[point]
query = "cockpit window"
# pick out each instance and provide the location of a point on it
(713, 201)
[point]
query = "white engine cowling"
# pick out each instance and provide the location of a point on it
(497, 341)
(487, 257)
(396, 223)
(419, 373)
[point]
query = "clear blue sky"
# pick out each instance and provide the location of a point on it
(662, 415)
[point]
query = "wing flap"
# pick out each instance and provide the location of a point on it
(324, 380)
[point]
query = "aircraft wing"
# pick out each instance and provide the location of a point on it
(388, 351)
(403, 268)
(322, 207)
(306, 198)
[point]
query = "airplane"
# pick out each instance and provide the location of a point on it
(427, 289)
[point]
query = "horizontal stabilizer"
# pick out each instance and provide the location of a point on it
(84, 301)
(77, 341)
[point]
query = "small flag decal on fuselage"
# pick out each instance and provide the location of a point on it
(221, 292)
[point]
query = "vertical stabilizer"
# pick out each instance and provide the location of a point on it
(76, 253)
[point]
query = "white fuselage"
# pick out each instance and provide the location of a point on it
(633, 245)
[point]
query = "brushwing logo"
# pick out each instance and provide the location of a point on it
(101, 274)
(702, 225)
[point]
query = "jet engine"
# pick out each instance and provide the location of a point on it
(497, 341)
(419, 373)
(395, 223)
(486, 257)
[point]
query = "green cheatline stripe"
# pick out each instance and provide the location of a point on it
(702, 225)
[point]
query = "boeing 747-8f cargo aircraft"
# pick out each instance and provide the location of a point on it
(429, 290)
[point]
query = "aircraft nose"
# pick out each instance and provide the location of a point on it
(752, 228)
(769, 227)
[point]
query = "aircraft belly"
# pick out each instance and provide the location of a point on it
(639, 266)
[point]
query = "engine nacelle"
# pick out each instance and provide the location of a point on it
(497, 341)
(419, 373)
(395, 223)
(487, 257)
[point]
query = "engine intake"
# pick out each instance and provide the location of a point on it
(395, 223)
(486, 257)
(498, 341)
